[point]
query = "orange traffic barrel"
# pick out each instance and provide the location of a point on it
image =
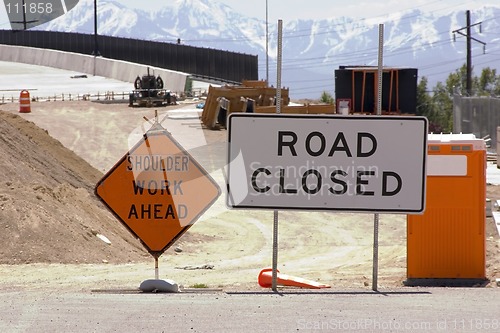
(24, 102)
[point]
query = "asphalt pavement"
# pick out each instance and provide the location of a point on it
(405, 310)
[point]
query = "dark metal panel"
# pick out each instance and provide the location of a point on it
(408, 90)
(211, 63)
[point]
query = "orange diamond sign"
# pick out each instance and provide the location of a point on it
(157, 190)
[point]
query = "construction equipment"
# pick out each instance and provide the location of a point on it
(149, 91)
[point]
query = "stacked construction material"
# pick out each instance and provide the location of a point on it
(299, 109)
(222, 101)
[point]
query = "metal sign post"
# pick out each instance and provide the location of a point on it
(379, 112)
(157, 270)
(278, 111)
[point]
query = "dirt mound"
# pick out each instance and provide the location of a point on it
(48, 212)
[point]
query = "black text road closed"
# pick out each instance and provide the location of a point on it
(355, 163)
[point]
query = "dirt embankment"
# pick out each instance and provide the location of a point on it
(48, 212)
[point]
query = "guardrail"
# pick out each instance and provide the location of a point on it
(99, 96)
(105, 96)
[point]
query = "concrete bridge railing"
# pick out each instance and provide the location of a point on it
(110, 68)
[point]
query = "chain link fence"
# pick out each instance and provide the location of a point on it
(477, 115)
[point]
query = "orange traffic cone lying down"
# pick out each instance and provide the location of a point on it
(266, 280)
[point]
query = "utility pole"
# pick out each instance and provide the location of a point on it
(468, 35)
(24, 15)
(267, 44)
(96, 52)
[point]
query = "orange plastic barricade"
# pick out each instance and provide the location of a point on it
(24, 102)
(266, 277)
(448, 241)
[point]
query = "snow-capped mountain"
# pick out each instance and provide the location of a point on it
(312, 50)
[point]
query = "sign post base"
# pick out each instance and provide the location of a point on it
(159, 286)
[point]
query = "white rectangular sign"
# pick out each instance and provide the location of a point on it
(327, 162)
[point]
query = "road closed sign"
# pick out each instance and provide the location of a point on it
(327, 162)
(157, 190)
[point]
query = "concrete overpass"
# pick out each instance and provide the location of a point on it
(100, 66)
